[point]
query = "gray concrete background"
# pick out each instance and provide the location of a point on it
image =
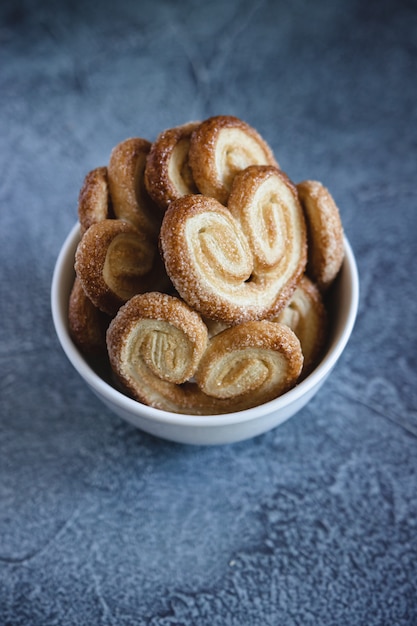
(312, 523)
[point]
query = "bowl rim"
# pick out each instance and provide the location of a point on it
(130, 405)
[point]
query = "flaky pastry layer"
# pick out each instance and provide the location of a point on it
(94, 202)
(306, 315)
(131, 201)
(115, 261)
(159, 350)
(325, 232)
(238, 263)
(221, 147)
(168, 174)
(212, 263)
(87, 324)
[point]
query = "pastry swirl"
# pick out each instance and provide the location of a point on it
(216, 256)
(220, 147)
(87, 324)
(115, 261)
(306, 315)
(202, 268)
(159, 332)
(325, 233)
(168, 175)
(157, 343)
(94, 202)
(255, 361)
(131, 201)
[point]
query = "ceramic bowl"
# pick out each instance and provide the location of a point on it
(216, 429)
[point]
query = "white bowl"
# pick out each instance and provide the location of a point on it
(215, 429)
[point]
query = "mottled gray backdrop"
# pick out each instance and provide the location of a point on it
(314, 523)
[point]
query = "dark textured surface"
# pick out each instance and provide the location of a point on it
(312, 523)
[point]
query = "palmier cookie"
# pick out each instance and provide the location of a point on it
(114, 261)
(94, 203)
(131, 201)
(156, 341)
(325, 233)
(87, 324)
(155, 344)
(252, 363)
(306, 315)
(220, 147)
(167, 174)
(241, 263)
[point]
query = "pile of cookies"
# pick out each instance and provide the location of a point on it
(202, 268)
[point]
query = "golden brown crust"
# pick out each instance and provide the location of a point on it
(257, 361)
(220, 147)
(243, 323)
(325, 233)
(156, 343)
(94, 203)
(114, 261)
(87, 324)
(306, 315)
(167, 174)
(157, 332)
(214, 255)
(265, 203)
(131, 201)
(204, 252)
